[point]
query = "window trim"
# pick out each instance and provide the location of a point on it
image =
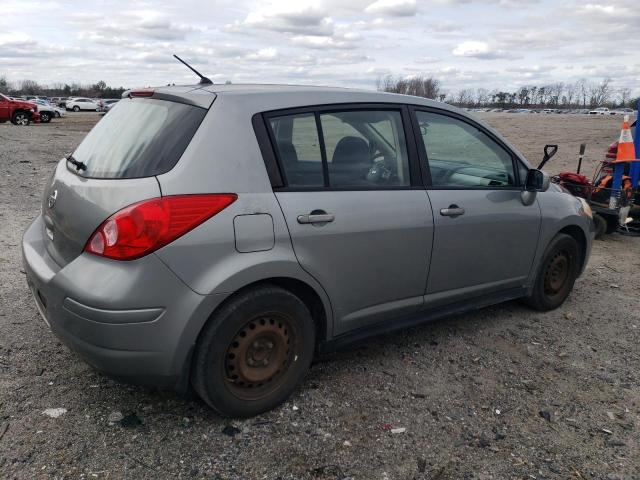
(424, 159)
(273, 163)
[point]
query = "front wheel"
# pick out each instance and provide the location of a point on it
(254, 352)
(76, 108)
(21, 118)
(45, 117)
(57, 114)
(556, 274)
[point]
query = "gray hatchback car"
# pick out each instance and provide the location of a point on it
(217, 236)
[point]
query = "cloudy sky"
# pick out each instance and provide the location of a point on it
(465, 43)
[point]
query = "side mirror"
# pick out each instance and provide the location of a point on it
(537, 181)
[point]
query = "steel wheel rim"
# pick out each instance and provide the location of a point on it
(259, 355)
(557, 273)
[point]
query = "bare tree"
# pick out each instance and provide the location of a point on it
(523, 95)
(625, 95)
(482, 97)
(29, 87)
(600, 93)
(570, 93)
(419, 86)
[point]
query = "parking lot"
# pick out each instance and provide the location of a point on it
(500, 393)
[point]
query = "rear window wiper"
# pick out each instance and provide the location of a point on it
(76, 163)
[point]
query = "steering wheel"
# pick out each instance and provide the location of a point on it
(380, 172)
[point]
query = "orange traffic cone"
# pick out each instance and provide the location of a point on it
(626, 149)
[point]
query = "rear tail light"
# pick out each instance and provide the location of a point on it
(144, 227)
(612, 151)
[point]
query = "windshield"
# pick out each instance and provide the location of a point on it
(138, 138)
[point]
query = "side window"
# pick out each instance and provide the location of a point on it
(298, 149)
(362, 149)
(365, 149)
(461, 156)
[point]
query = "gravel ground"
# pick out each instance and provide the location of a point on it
(501, 393)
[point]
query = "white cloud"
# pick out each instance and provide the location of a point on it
(263, 55)
(303, 17)
(321, 43)
(464, 43)
(397, 8)
(481, 50)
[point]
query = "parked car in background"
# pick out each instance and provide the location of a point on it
(221, 243)
(78, 104)
(624, 111)
(48, 111)
(600, 111)
(18, 112)
(109, 103)
(59, 101)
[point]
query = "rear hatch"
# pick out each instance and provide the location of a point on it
(115, 166)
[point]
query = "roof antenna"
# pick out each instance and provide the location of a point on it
(203, 80)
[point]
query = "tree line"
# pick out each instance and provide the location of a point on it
(31, 87)
(562, 95)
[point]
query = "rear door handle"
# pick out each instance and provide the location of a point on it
(316, 218)
(452, 211)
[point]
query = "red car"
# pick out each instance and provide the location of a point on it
(19, 112)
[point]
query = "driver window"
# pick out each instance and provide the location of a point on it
(365, 149)
(462, 156)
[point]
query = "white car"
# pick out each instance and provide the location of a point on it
(601, 111)
(48, 111)
(77, 104)
(624, 111)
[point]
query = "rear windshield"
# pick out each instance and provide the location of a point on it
(139, 137)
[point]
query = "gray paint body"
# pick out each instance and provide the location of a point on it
(388, 254)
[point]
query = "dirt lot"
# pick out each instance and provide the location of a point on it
(502, 393)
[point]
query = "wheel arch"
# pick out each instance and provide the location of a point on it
(303, 290)
(580, 237)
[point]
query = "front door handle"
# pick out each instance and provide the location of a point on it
(316, 217)
(452, 211)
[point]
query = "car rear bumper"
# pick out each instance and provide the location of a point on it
(135, 321)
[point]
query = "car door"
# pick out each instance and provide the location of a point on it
(358, 223)
(4, 108)
(485, 236)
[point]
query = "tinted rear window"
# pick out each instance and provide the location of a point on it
(139, 137)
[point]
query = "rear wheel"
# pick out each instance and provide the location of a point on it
(254, 352)
(612, 223)
(601, 225)
(557, 273)
(21, 118)
(45, 117)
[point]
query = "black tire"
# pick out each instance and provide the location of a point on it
(45, 117)
(253, 352)
(612, 223)
(76, 108)
(557, 273)
(601, 225)
(57, 114)
(21, 118)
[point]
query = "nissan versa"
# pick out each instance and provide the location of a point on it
(217, 236)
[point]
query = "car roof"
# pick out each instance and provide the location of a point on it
(346, 95)
(265, 97)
